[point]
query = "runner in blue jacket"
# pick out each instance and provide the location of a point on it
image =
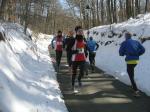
(132, 49)
(92, 48)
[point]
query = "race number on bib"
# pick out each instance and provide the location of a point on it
(81, 50)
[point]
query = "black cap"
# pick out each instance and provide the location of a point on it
(77, 28)
(59, 31)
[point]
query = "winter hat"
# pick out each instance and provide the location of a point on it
(128, 35)
(59, 31)
(77, 28)
(79, 32)
(70, 33)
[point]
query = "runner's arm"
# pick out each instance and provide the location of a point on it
(52, 42)
(97, 46)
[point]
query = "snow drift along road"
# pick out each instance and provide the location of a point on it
(108, 57)
(27, 78)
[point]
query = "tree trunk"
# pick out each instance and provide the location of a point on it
(132, 8)
(137, 7)
(102, 11)
(109, 12)
(26, 16)
(128, 8)
(81, 12)
(3, 9)
(115, 11)
(97, 11)
(146, 4)
(121, 15)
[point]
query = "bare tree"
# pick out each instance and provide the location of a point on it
(3, 8)
(146, 5)
(102, 11)
(97, 12)
(137, 7)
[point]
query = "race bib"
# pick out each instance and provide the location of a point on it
(80, 50)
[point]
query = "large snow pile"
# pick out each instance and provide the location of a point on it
(110, 38)
(27, 78)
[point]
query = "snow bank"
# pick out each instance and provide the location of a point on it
(27, 77)
(110, 38)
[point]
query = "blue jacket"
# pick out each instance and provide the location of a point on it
(132, 49)
(92, 45)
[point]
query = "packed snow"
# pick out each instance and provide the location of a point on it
(27, 78)
(110, 38)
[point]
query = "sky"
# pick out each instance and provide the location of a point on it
(63, 2)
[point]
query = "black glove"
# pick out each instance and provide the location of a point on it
(86, 54)
(143, 40)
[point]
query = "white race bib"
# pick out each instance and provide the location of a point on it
(80, 50)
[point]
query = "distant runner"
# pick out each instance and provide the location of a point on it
(58, 46)
(92, 48)
(69, 41)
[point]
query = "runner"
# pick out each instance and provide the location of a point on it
(92, 48)
(132, 49)
(69, 41)
(59, 44)
(78, 57)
